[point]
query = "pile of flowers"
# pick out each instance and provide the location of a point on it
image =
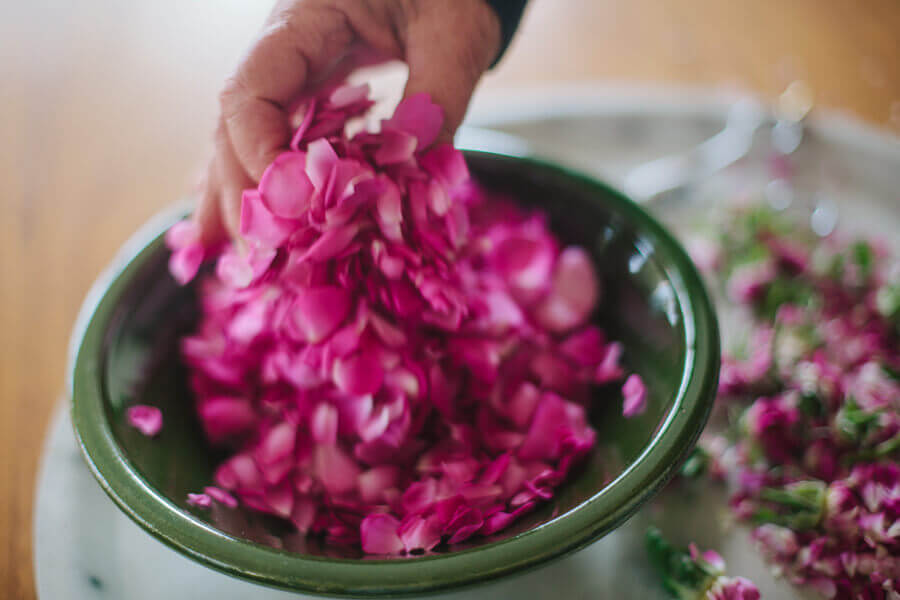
(812, 456)
(396, 357)
(694, 575)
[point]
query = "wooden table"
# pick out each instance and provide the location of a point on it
(106, 110)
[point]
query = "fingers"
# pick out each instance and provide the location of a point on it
(234, 180)
(208, 215)
(297, 44)
(449, 45)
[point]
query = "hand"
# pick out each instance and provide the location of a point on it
(446, 44)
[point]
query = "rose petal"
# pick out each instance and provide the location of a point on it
(318, 311)
(199, 500)
(284, 187)
(418, 116)
(220, 496)
(635, 393)
(260, 225)
(378, 533)
(185, 262)
(146, 419)
(359, 374)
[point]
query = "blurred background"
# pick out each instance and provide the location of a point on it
(107, 109)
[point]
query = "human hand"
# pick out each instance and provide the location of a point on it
(305, 43)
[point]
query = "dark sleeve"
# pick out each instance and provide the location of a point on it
(510, 13)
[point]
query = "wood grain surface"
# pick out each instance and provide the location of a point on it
(106, 110)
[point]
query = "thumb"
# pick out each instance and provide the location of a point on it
(449, 45)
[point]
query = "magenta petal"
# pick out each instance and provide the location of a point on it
(185, 262)
(278, 443)
(396, 147)
(146, 419)
(420, 496)
(635, 393)
(260, 225)
(182, 234)
(320, 160)
(324, 424)
(199, 500)
(464, 525)
(574, 278)
(337, 471)
(549, 426)
(573, 293)
(235, 270)
(496, 522)
(224, 417)
(522, 404)
(359, 374)
(331, 243)
(447, 164)
(347, 95)
(220, 496)
(390, 335)
(586, 347)
(308, 116)
(304, 514)
(284, 186)
(280, 500)
(609, 370)
(378, 533)
(419, 534)
(390, 206)
(318, 311)
(239, 472)
(418, 116)
(376, 481)
(526, 263)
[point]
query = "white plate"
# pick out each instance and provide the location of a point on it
(86, 549)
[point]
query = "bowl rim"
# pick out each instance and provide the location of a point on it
(588, 521)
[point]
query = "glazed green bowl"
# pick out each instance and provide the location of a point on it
(125, 352)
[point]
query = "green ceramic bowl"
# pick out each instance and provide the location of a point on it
(125, 352)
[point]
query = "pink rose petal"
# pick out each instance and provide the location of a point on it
(220, 496)
(635, 393)
(318, 311)
(199, 500)
(260, 225)
(284, 188)
(378, 533)
(418, 116)
(146, 419)
(185, 262)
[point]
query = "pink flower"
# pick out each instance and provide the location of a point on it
(733, 588)
(748, 281)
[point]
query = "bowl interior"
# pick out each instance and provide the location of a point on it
(649, 296)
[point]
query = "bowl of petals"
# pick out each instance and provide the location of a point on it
(420, 368)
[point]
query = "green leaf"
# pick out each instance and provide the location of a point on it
(683, 577)
(799, 505)
(811, 405)
(784, 290)
(853, 423)
(696, 464)
(862, 254)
